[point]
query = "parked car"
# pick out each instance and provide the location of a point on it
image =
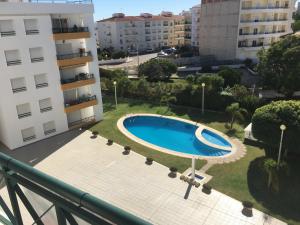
(162, 54)
(149, 50)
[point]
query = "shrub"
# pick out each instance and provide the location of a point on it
(118, 55)
(247, 204)
(230, 76)
(206, 69)
(173, 170)
(149, 160)
(95, 133)
(110, 142)
(207, 187)
(267, 120)
(127, 148)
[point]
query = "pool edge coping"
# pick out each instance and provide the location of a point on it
(122, 128)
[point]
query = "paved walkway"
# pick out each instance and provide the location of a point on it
(146, 191)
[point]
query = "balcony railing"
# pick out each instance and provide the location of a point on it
(37, 59)
(29, 138)
(260, 33)
(79, 77)
(74, 55)
(58, 30)
(80, 100)
(261, 21)
(23, 115)
(41, 85)
(47, 132)
(82, 121)
(7, 33)
(46, 109)
(14, 62)
(253, 45)
(265, 7)
(20, 89)
(32, 32)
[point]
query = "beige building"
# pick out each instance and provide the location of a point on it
(238, 29)
(187, 27)
(144, 32)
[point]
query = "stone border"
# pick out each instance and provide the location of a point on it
(122, 128)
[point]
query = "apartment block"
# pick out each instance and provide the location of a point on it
(144, 32)
(238, 29)
(49, 69)
(195, 11)
(187, 27)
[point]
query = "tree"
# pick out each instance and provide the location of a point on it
(279, 66)
(167, 99)
(212, 81)
(267, 119)
(296, 26)
(157, 69)
(235, 113)
(230, 76)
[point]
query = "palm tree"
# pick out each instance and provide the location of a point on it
(236, 113)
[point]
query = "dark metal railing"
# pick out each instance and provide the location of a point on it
(14, 62)
(30, 32)
(23, 115)
(20, 89)
(80, 100)
(41, 85)
(29, 138)
(7, 33)
(82, 121)
(47, 132)
(266, 7)
(46, 109)
(258, 33)
(74, 55)
(58, 30)
(37, 59)
(67, 200)
(79, 77)
(262, 21)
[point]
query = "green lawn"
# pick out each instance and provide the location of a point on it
(242, 180)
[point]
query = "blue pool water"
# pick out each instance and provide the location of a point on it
(214, 138)
(171, 134)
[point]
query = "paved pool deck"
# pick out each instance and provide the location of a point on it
(146, 191)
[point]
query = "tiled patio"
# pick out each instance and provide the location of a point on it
(146, 191)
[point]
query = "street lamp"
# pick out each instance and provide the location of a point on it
(282, 128)
(203, 86)
(115, 84)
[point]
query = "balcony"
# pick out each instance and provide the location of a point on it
(74, 59)
(81, 103)
(80, 80)
(29, 138)
(23, 115)
(46, 109)
(71, 33)
(262, 34)
(7, 33)
(47, 132)
(83, 122)
(32, 32)
(20, 89)
(263, 21)
(14, 62)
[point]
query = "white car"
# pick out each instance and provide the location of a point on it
(162, 54)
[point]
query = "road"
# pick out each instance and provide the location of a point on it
(133, 62)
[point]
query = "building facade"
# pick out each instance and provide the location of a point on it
(49, 70)
(238, 29)
(144, 32)
(195, 11)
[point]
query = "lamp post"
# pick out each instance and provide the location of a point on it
(115, 84)
(203, 86)
(282, 128)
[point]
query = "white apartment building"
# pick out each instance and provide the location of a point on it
(187, 26)
(49, 69)
(195, 10)
(144, 32)
(238, 29)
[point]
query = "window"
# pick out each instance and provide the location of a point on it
(28, 134)
(18, 85)
(41, 80)
(45, 105)
(12, 57)
(49, 127)
(31, 26)
(36, 54)
(6, 28)
(23, 110)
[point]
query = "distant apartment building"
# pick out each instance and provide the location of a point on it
(49, 69)
(144, 32)
(195, 11)
(187, 27)
(238, 29)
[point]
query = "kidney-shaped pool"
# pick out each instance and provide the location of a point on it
(175, 135)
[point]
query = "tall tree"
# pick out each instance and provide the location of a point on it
(280, 65)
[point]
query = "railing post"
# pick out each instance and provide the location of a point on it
(61, 219)
(13, 198)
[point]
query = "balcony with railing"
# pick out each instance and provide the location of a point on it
(19, 89)
(72, 59)
(75, 32)
(23, 115)
(82, 122)
(250, 7)
(79, 80)
(80, 103)
(59, 1)
(263, 20)
(262, 33)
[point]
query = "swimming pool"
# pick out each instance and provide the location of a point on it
(173, 135)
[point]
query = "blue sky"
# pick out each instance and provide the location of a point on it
(105, 8)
